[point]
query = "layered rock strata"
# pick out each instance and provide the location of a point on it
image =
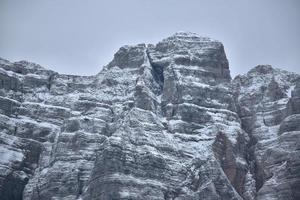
(162, 121)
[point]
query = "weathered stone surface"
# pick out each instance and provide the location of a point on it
(263, 100)
(160, 121)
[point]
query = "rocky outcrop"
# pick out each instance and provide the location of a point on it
(152, 152)
(160, 121)
(265, 108)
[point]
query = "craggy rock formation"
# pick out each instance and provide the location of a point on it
(160, 121)
(268, 106)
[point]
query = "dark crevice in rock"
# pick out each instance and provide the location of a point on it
(157, 72)
(37, 189)
(253, 165)
(12, 188)
(254, 168)
(225, 152)
(172, 194)
(50, 81)
(80, 183)
(107, 130)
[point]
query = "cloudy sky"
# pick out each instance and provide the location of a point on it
(79, 37)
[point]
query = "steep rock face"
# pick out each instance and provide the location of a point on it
(158, 122)
(163, 144)
(267, 102)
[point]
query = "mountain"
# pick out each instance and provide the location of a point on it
(159, 122)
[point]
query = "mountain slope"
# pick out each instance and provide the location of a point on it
(160, 121)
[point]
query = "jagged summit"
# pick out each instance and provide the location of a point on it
(159, 122)
(24, 67)
(263, 69)
(189, 37)
(206, 56)
(188, 40)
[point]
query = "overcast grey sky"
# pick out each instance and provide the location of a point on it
(79, 37)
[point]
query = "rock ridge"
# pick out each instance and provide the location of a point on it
(162, 121)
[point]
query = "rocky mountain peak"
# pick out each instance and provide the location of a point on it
(189, 37)
(24, 67)
(159, 122)
(262, 69)
(129, 56)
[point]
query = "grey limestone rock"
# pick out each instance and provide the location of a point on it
(162, 121)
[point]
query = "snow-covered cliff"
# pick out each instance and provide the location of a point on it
(160, 121)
